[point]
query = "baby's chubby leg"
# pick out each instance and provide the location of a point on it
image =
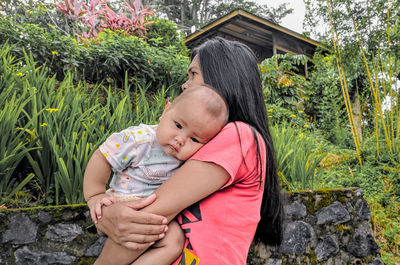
(166, 250)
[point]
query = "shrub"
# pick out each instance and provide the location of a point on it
(325, 101)
(105, 59)
(282, 86)
(164, 33)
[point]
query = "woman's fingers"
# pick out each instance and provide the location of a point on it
(140, 241)
(148, 219)
(128, 227)
(137, 246)
(139, 204)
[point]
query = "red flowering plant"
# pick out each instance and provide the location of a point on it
(92, 17)
(137, 17)
(98, 16)
(72, 9)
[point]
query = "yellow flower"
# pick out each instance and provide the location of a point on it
(284, 80)
(51, 110)
(301, 135)
(20, 74)
(270, 110)
(300, 111)
(269, 116)
(305, 125)
(292, 116)
(54, 53)
(43, 124)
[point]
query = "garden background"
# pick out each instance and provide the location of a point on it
(72, 72)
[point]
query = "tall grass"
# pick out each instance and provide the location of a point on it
(298, 156)
(16, 139)
(56, 126)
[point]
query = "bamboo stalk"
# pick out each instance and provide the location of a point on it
(390, 77)
(377, 132)
(343, 85)
(379, 107)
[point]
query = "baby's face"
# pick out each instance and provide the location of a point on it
(185, 128)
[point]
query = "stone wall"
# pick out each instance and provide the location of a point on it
(321, 227)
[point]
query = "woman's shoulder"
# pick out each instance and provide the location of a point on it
(239, 129)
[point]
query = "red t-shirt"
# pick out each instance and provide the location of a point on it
(220, 228)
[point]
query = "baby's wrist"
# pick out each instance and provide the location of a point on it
(88, 198)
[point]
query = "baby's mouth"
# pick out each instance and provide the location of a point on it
(175, 147)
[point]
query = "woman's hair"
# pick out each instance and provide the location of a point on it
(231, 68)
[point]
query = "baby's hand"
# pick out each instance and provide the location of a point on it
(96, 202)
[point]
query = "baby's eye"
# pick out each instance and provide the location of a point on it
(177, 124)
(194, 140)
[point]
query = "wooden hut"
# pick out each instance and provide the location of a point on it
(263, 36)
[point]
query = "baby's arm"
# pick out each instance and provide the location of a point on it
(95, 180)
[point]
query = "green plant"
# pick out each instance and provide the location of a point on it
(17, 139)
(103, 59)
(164, 33)
(298, 156)
(282, 85)
(280, 115)
(324, 103)
(56, 126)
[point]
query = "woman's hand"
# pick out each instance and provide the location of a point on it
(127, 226)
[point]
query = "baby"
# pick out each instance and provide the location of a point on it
(143, 157)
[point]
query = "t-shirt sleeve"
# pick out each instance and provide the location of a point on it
(227, 150)
(120, 149)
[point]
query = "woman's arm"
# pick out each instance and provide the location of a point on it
(133, 229)
(193, 181)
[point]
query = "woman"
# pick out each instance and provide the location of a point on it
(227, 184)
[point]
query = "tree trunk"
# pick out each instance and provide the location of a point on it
(355, 106)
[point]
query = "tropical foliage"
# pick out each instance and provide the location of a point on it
(69, 78)
(104, 58)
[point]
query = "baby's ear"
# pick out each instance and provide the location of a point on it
(165, 108)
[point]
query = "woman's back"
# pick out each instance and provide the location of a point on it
(220, 228)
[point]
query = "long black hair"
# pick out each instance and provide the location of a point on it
(231, 68)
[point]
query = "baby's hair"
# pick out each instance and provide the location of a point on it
(214, 104)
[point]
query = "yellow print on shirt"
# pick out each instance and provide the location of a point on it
(188, 258)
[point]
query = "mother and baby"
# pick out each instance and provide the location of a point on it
(195, 188)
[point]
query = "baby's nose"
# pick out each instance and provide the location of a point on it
(180, 140)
